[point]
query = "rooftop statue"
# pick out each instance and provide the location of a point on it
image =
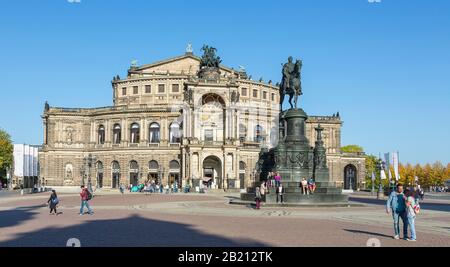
(209, 58)
(291, 82)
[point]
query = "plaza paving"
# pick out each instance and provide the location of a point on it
(207, 220)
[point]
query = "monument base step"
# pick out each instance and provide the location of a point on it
(298, 198)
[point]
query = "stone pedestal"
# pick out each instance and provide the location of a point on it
(293, 155)
(295, 160)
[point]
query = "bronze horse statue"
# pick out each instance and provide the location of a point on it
(292, 86)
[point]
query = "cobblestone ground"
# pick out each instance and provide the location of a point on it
(204, 220)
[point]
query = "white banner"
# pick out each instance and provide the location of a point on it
(18, 160)
(373, 176)
(35, 161)
(387, 160)
(26, 160)
(395, 160)
(383, 175)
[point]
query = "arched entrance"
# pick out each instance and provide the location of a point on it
(350, 177)
(153, 171)
(99, 174)
(115, 173)
(174, 173)
(134, 172)
(212, 172)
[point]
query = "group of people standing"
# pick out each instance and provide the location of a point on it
(404, 205)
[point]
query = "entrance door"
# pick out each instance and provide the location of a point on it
(153, 177)
(134, 178)
(100, 180)
(174, 177)
(115, 180)
(350, 181)
(212, 168)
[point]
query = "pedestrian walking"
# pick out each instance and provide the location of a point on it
(397, 205)
(412, 209)
(86, 196)
(122, 188)
(280, 193)
(258, 197)
(53, 201)
(263, 190)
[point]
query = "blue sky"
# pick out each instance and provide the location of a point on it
(384, 66)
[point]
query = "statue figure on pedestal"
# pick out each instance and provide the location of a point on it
(291, 82)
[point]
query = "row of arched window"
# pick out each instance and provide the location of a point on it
(134, 166)
(175, 133)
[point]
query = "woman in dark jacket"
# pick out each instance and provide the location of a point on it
(53, 202)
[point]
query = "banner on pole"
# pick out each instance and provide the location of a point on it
(383, 175)
(395, 160)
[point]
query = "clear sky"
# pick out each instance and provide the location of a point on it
(384, 66)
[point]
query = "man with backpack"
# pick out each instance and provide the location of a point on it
(85, 197)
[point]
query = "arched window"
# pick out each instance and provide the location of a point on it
(174, 165)
(134, 133)
(259, 134)
(174, 133)
(115, 169)
(99, 167)
(153, 165)
(154, 133)
(101, 134)
(134, 166)
(242, 166)
(116, 134)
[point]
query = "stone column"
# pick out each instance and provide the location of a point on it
(142, 131)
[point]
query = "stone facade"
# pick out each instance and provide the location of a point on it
(168, 124)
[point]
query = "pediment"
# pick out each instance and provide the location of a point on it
(186, 64)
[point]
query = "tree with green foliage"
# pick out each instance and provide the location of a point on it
(6, 153)
(371, 166)
(352, 149)
(6, 150)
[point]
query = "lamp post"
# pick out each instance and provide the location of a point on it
(380, 166)
(82, 173)
(88, 163)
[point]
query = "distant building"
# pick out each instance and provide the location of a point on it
(26, 166)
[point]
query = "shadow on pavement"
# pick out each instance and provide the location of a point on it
(424, 206)
(129, 232)
(14, 217)
(367, 233)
